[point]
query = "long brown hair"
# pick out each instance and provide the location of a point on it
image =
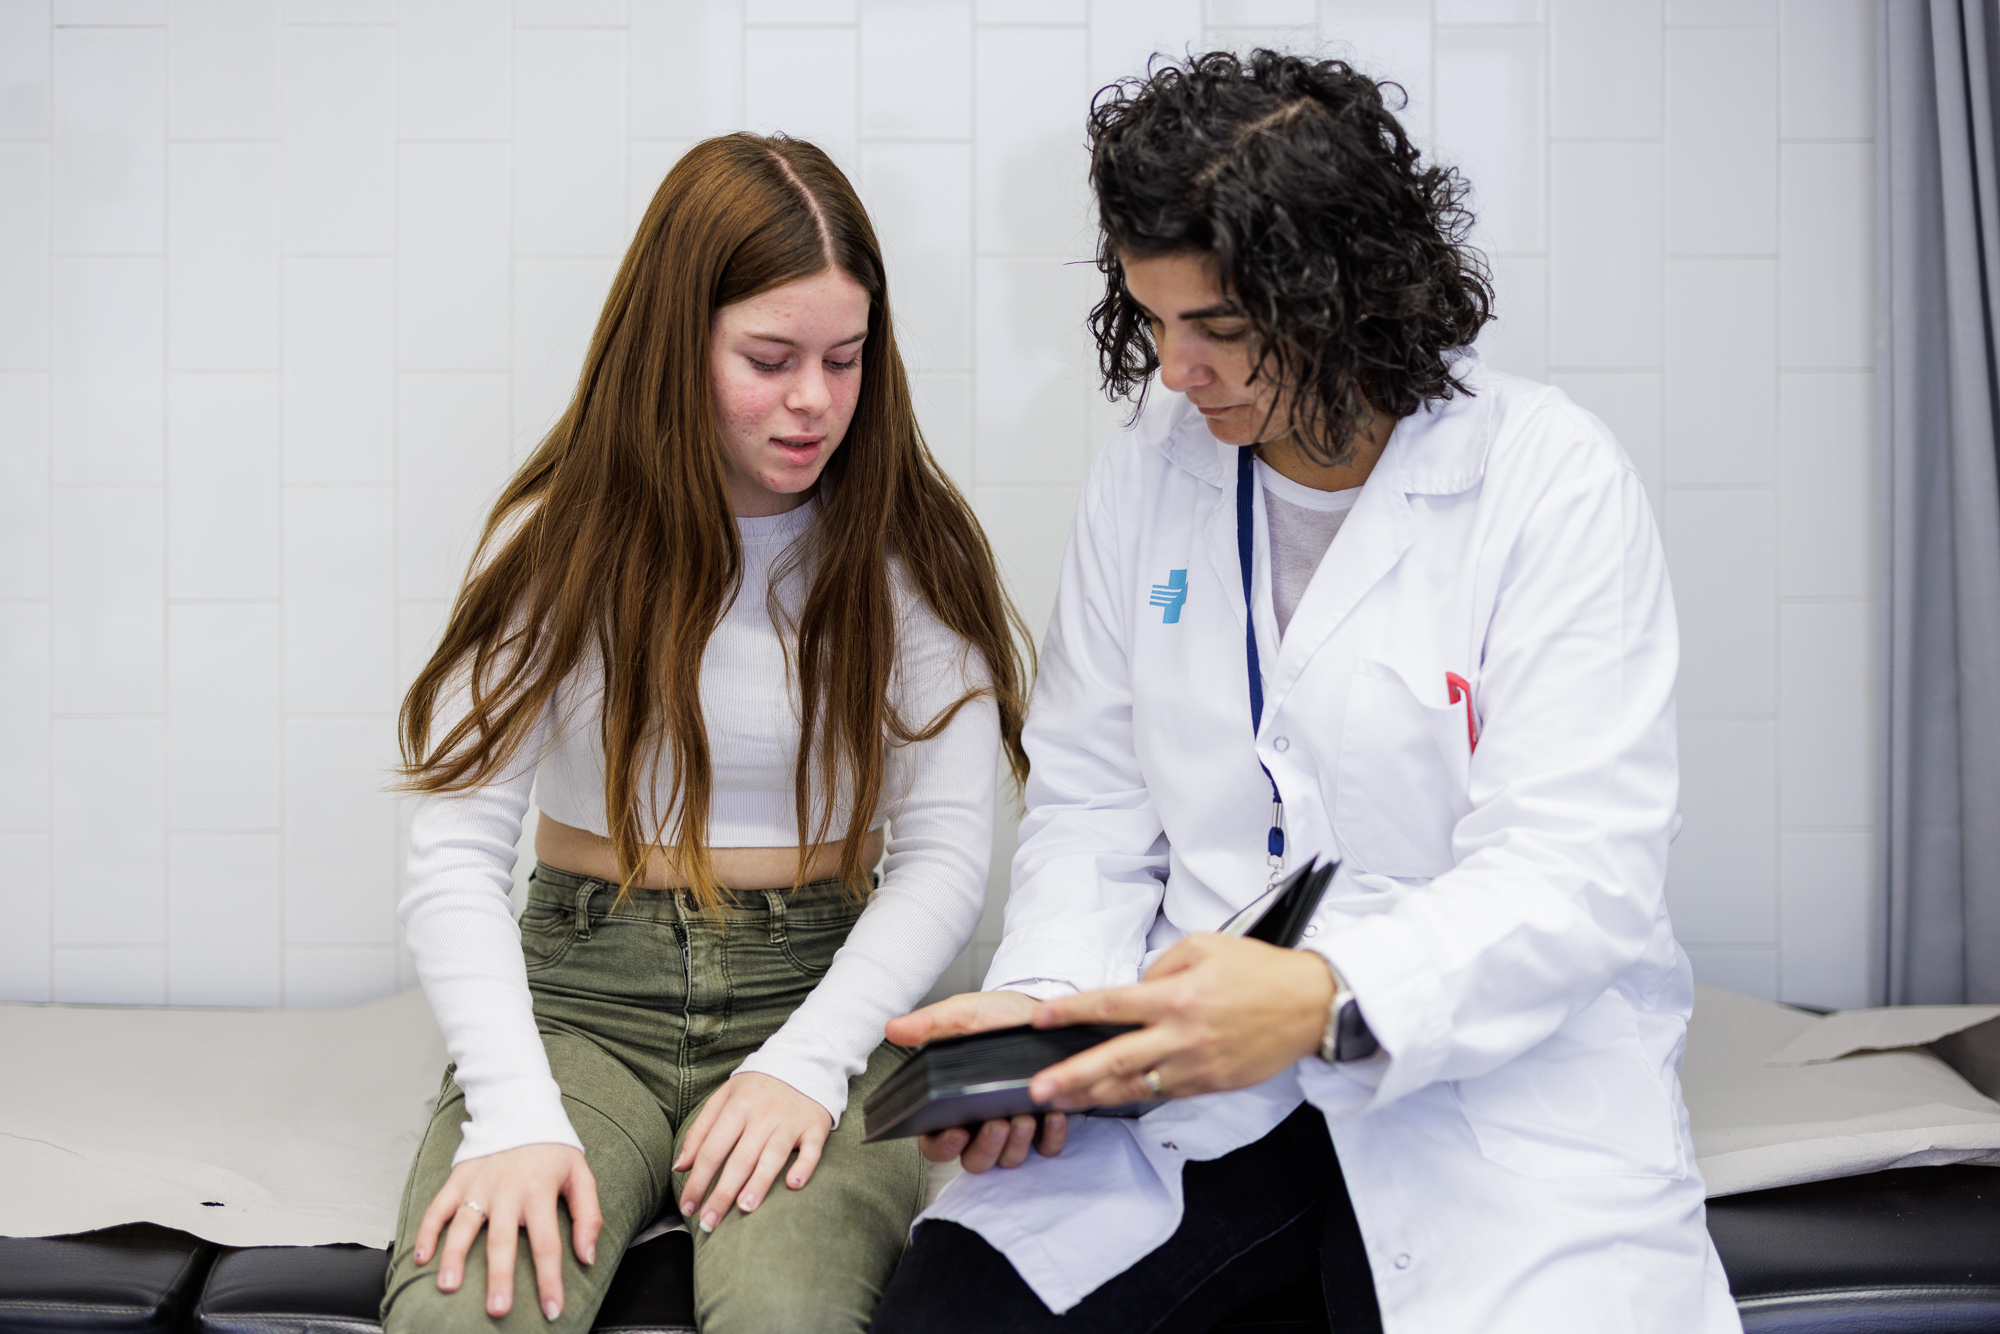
(615, 538)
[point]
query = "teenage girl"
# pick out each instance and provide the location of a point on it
(741, 637)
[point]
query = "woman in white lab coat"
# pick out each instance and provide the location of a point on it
(1339, 590)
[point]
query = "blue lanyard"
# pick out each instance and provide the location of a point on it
(1246, 546)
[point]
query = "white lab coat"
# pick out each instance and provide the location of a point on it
(1519, 1159)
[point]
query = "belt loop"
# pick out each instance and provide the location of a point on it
(774, 902)
(584, 892)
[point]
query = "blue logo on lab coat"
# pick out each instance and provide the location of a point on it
(1170, 596)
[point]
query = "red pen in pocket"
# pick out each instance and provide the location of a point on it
(1461, 689)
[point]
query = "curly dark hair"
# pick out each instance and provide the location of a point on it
(1345, 251)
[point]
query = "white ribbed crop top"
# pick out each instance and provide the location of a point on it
(937, 800)
(747, 691)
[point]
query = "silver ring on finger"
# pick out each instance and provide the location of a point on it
(475, 1206)
(1153, 1084)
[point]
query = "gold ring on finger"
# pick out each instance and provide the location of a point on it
(1153, 1084)
(475, 1206)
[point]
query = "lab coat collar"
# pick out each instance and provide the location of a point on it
(1438, 450)
(1185, 440)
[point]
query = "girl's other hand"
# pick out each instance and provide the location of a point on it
(993, 1143)
(504, 1193)
(741, 1140)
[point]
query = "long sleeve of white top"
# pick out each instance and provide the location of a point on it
(939, 799)
(938, 795)
(458, 921)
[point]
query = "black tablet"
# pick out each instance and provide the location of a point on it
(979, 1077)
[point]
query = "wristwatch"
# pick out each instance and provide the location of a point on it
(1346, 1036)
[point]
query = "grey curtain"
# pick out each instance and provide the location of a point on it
(1938, 404)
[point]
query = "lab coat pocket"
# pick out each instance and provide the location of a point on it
(1403, 775)
(1576, 1105)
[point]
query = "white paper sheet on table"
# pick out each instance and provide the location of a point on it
(299, 1125)
(247, 1127)
(1849, 1031)
(1758, 1124)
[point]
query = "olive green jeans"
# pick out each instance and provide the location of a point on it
(644, 1010)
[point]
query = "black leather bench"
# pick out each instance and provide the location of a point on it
(337, 1289)
(1915, 1251)
(137, 1279)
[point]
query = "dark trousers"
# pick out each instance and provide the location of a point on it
(1257, 1220)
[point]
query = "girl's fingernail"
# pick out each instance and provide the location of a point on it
(447, 1280)
(590, 1254)
(746, 1202)
(708, 1222)
(687, 1207)
(552, 1308)
(796, 1182)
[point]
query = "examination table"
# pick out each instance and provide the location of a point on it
(1910, 1251)
(1853, 1162)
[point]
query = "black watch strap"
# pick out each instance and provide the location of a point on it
(1352, 1040)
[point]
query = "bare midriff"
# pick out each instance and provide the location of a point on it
(567, 848)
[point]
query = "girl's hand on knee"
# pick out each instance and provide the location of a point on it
(740, 1141)
(504, 1193)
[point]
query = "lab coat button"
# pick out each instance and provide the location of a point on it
(1313, 929)
(1402, 1262)
(1281, 744)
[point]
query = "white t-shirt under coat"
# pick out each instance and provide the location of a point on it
(1302, 523)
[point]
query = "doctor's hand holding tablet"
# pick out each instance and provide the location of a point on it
(1219, 1011)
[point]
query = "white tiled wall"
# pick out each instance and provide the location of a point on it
(285, 289)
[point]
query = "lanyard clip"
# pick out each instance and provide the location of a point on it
(1275, 842)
